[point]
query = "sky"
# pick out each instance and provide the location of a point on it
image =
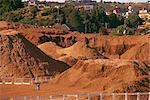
(104, 0)
(129, 0)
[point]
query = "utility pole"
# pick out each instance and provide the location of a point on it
(58, 12)
(148, 6)
(85, 25)
(85, 22)
(85, 28)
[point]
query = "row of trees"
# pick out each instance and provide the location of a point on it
(10, 5)
(91, 21)
(80, 20)
(84, 21)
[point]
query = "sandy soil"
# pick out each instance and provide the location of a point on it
(88, 72)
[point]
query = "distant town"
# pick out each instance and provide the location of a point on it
(120, 9)
(142, 9)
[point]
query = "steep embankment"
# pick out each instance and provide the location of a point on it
(51, 49)
(70, 55)
(96, 46)
(31, 32)
(112, 46)
(126, 68)
(139, 52)
(108, 46)
(20, 58)
(106, 76)
(81, 50)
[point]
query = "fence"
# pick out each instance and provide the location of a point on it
(101, 96)
(25, 81)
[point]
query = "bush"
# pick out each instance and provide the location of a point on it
(44, 39)
(34, 10)
(122, 30)
(115, 21)
(28, 21)
(10, 5)
(119, 31)
(133, 21)
(13, 16)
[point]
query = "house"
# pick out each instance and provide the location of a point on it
(143, 11)
(130, 11)
(44, 4)
(33, 3)
(144, 14)
(86, 1)
(86, 7)
(116, 10)
(38, 4)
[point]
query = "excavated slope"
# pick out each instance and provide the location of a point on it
(106, 76)
(50, 48)
(20, 58)
(81, 50)
(139, 52)
(115, 46)
(108, 46)
(78, 50)
(70, 55)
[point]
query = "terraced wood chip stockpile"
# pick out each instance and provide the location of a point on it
(20, 58)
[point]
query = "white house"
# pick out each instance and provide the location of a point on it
(144, 14)
(130, 11)
(33, 2)
(86, 7)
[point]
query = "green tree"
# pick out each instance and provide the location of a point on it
(95, 19)
(17, 4)
(13, 16)
(119, 31)
(34, 11)
(74, 20)
(122, 30)
(133, 21)
(98, 17)
(114, 21)
(10, 5)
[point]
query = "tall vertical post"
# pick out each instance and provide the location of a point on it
(38, 97)
(113, 96)
(126, 96)
(25, 98)
(58, 12)
(12, 98)
(148, 6)
(50, 98)
(138, 96)
(88, 97)
(149, 96)
(85, 28)
(77, 97)
(4, 81)
(101, 96)
(64, 97)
